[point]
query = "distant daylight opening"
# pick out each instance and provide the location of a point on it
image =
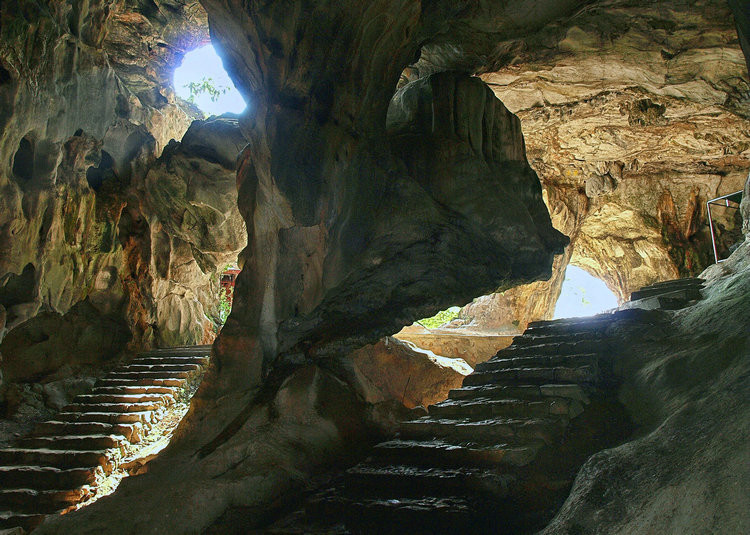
(202, 80)
(583, 295)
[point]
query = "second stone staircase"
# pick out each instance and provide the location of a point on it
(56, 468)
(500, 454)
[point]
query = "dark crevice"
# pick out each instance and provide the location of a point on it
(96, 176)
(23, 160)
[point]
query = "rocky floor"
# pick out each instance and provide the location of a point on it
(83, 452)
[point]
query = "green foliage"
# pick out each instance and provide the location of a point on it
(205, 85)
(444, 316)
(225, 306)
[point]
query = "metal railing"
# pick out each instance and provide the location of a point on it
(724, 200)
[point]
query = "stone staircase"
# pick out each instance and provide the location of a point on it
(500, 454)
(56, 468)
(667, 295)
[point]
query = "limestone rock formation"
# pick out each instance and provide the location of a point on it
(85, 105)
(97, 235)
(635, 114)
(686, 387)
(392, 369)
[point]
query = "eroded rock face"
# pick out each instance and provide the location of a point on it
(635, 114)
(85, 105)
(392, 369)
(97, 235)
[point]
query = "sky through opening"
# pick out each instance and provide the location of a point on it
(202, 63)
(583, 295)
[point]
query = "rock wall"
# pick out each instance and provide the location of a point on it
(686, 384)
(635, 114)
(98, 236)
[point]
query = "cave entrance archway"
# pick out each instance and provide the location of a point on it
(202, 80)
(583, 294)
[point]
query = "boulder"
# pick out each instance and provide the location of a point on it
(398, 370)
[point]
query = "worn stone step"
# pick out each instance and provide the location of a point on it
(570, 391)
(555, 337)
(113, 407)
(482, 408)
(399, 481)
(571, 347)
(74, 442)
(41, 501)
(442, 453)
(560, 326)
(416, 516)
(182, 351)
(162, 399)
(540, 361)
(140, 375)
(667, 286)
(54, 458)
(11, 519)
(138, 380)
(157, 368)
(45, 477)
(131, 432)
(491, 430)
(197, 359)
(540, 376)
(146, 418)
(135, 390)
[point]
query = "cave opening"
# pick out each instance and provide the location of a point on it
(583, 294)
(202, 80)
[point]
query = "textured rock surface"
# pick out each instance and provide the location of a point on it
(394, 369)
(470, 346)
(635, 114)
(686, 387)
(100, 240)
(86, 105)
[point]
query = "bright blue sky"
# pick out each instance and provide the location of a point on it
(583, 295)
(204, 62)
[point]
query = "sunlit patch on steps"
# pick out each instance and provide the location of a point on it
(101, 437)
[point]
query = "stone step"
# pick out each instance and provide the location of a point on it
(442, 453)
(131, 432)
(400, 481)
(74, 442)
(570, 348)
(554, 337)
(10, 519)
(41, 501)
(599, 321)
(145, 418)
(54, 458)
(491, 430)
(141, 375)
(415, 516)
(570, 391)
(159, 399)
(113, 407)
(541, 361)
(183, 351)
(45, 477)
(150, 361)
(135, 390)
(539, 376)
(138, 380)
(666, 287)
(483, 408)
(157, 368)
